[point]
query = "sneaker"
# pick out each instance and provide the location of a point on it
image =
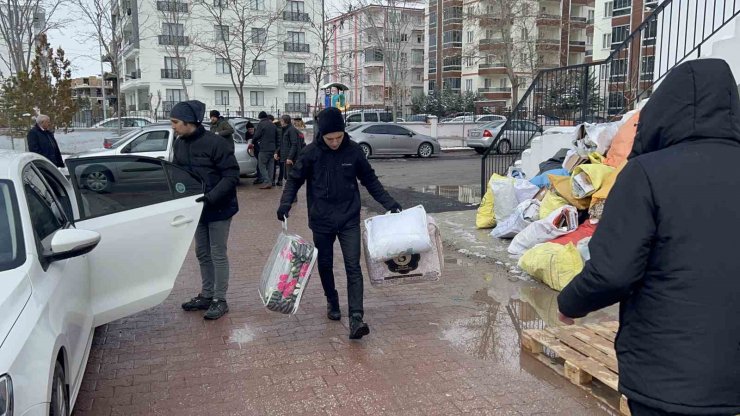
(197, 303)
(333, 312)
(217, 309)
(357, 328)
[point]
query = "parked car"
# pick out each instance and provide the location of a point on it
(418, 117)
(476, 119)
(72, 260)
(126, 121)
(392, 139)
(155, 141)
(368, 116)
(515, 138)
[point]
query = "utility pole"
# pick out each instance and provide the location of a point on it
(102, 78)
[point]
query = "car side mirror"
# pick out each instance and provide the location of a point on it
(70, 243)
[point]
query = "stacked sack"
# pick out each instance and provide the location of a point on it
(550, 219)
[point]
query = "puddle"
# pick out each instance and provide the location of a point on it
(242, 336)
(467, 194)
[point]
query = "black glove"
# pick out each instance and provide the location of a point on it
(282, 212)
(396, 208)
(203, 199)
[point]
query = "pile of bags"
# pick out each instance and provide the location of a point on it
(402, 248)
(550, 219)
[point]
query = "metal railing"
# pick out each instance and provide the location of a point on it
(296, 108)
(297, 78)
(604, 90)
(297, 47)
(172, 6)
(175, 74)
(173, 40)
(295, 16)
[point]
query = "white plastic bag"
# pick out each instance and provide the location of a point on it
(602, 134)
(562, 221)
(582, 247)
(392, 235)
(286, 273)
(524, 190)
(525, 213)
(504, 197)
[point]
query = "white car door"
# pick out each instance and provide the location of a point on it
(153, 143)
(146, 228)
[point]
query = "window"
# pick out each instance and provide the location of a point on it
(651, 31)
(608, 9)
(257, 4)
(374, 129)
(153, 141)
(471, 12)
(404, 37)
(432, 85)
(525, 35)
(468, 85)
(589, 40)
(259, 35)
(46, 214)
(432, 41)
(221, 33)
(591, 15)
(173, 29)
(453, 37)
(452, 83)
(296, 37)
(471, 36)
(503, 83)
(622, 7)
(418, 76)
(618, 70)
(297, 97)
(171, 63)
(371, 117)
(12, 250)
(386, 117)
(354, 118)
(257, 98)
(296, 68)
(222, 66)
(174, 96)
(222, 97)
(259, 67)
(607, 41)
(395, 130)
(620, 33)
(296, 7)
(417, 57)
(648, 68)
(419, 38)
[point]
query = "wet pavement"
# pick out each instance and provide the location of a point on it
(444, 348)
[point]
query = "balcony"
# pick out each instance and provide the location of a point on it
(297, 47)
(579, 19)
(548, 19)
(491, 43)
(578, 43)
(172, 40)
(296, 78)
(295, 16)
(296, 108)
(492, 66)
(133, 75)
(172, 6)
(548, 44)
(417, 64)
(175, 74)
(495, 89)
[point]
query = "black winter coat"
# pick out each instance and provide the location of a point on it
(289, 145)
(332, 192)
(667, 248)
(211, 158)
(266, 136)
(44, 143)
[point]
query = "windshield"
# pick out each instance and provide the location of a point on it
(354, 127)
(124, 138)
(494, 124)
(12, 252)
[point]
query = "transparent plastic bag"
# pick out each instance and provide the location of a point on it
(286, 273)
(393, 235)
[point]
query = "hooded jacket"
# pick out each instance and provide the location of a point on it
(332, 193)
(211, 158)
(666, 248)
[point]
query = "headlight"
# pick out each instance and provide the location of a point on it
(6, 396)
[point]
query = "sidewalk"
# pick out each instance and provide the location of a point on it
(445, 348)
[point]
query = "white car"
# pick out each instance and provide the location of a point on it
(126, 121)
(72, 259)
(476, 119)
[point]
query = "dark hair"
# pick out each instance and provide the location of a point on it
(286, 119)
(271, 117)
(215, 113)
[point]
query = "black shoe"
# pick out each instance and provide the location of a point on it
(333, 312)
(258, 182)
(197, 303)
(218, 309)
(357, 328)
(279, 183)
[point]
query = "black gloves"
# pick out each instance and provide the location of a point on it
(282, 212)
(203, 199)
(395, 208)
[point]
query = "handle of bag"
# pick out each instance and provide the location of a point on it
(285, 225)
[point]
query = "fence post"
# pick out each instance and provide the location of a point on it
(433, 122)
(584, 100)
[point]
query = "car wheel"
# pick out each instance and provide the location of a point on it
(480, 150)
(366, 149)
(98, 180)
(59, 394)
(425, 150)
(503, 147)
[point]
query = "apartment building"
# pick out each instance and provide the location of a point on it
(378, 52)
(178, 49)
(496, 47)
(91, 88)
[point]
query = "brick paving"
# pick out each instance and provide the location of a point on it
(434, 349)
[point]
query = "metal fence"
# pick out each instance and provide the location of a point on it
(672, 32)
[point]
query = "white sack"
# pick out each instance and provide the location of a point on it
(392, 235)
(525, 213)
(545, 230)
(504, 198)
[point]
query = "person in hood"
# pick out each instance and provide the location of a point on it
(211, 158)
(331, 166)
(666, 250)
(266, 137)
(221, 126)
(41, 140)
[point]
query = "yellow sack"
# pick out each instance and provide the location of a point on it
(596, 158)
(598, 199)
(587, 179)
(550, 203)
(484, 217)
(562, 186)
(553, 264)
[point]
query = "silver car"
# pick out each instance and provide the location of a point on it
(515, 138)
(392, 139)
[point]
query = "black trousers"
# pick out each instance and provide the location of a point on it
(350, 242)
(639, 409)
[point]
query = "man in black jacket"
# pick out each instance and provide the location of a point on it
(266, 137)
(211, 158)
(41, 140)
(331, 166)
(289, 147)
(666, 249)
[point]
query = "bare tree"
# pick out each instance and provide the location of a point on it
(21, 22)
(318, 67)
(175, 15)
(244, 32)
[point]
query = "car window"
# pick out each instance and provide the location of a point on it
(153, 141)
(110, 123)
(57, 188)
(46, 214)
(375, 130)
(371, 117)
(353, 127)
(397, 130)
(107, 185)
(354, 118)
(12, 249)
(386, 117)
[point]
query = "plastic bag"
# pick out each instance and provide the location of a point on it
(598, 200)
(585, 230)
(484, 216)
(392, 235)
(286, 273)
(562, 221)
(587, 179)
(525, 213)
(504, 196)
(550, 203)
(543, 180)
(582, 247)
(524, 190)
(563, 188)
(553, 264)
(412, 268)
(602, 135)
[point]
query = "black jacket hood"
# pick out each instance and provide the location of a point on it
(697, 100)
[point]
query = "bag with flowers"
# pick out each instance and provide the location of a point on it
(286, 273)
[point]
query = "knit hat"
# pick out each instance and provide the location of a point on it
(215, 113)
(189, 111)
(249, 125)
(330, 121)
(262, 115)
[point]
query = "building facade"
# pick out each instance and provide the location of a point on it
(178, 50)
(494, 48)
(91, 88)
(378, 52)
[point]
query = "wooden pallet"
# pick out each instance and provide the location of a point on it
(584, 354)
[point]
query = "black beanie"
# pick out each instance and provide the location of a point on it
(249, 125)
(330, 121)
(215, 113)
(189, 111)
(262, 115)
